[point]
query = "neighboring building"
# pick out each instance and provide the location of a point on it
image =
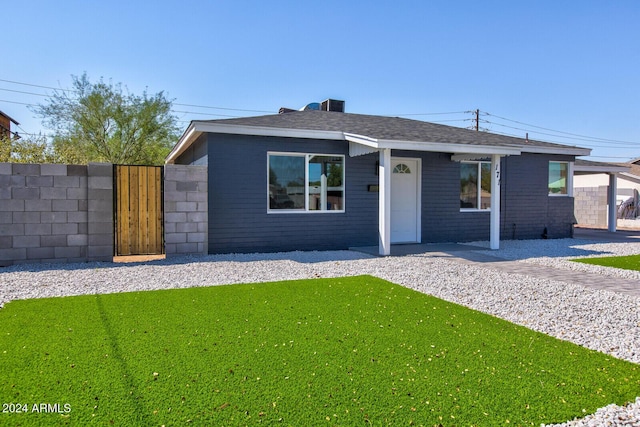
(5, 126)
(595, 183)
(320, 180)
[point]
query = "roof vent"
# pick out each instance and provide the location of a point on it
(332, 105)
(328, 105)
(311, 106)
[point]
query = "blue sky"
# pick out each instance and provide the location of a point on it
(565, 66)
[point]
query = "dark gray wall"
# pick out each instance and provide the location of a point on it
(238, 219)
(239, 222)
(526, 208)
(196, 154)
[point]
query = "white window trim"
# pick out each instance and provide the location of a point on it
(479, 190)
(306, 210)
(570, 166)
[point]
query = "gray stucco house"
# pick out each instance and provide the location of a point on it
(320, 180)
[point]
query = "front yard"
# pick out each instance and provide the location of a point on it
(345, 351)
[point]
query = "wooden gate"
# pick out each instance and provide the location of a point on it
(138, 210)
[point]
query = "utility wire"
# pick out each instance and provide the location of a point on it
(590, 142)
(174, 103)
(20, 91)
(429, 114)
(556, 131)
(32, 85)
(16, 102)
(554, 134)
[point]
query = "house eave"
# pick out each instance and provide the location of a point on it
(187, 138)
(446, 147)
(567, 150)
(10, 118)
(196, 128)
(439, 147)
(267, 131)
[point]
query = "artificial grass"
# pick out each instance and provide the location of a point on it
(629, 262)
(347, 351)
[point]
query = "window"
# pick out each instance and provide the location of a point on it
(475, 185)
(306, 182)
(560, 179)
(401, 168)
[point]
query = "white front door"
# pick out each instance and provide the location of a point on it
(405, 200)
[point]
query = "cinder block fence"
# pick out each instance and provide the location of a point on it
(65, 213)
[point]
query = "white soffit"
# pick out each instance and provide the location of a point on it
(439, 147)
(446, 147)
(184, 142)
(467, 157)
(356, 149)
(568, 150)
(596, 169)
(267, 131)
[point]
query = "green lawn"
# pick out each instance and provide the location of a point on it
(348, 351)
(630, 262)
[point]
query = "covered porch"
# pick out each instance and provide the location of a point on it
(360, 145)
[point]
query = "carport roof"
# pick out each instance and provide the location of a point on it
(586, 167)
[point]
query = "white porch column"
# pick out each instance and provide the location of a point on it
(384, 202)
(613, 189)
(494, 240)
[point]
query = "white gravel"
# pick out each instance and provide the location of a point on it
(597, 319)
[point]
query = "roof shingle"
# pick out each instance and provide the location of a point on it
(382, 128)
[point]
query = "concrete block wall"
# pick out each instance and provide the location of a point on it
(43, 213)
(100, 239)
(591, 206)
(185, 209)
(64, 213)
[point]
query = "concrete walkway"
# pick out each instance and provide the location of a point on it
(472, 255)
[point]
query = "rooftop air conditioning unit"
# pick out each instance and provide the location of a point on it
(332, 105)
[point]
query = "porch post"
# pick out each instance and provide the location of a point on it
(613, 215)
(384, 202)
(495, 202)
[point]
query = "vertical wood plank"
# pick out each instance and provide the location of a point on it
(139, 213)
(134, 220)
(142, 230)
(118, 213)
(151, 209)
(123, 210)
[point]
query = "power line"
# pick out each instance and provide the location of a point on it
(16, 102)
(429, 114)
(20, 91)
(554, 133)
(224, 108)
(557, 131)
(33, 85)
(586, 141)
(204, 114)
(174, 103)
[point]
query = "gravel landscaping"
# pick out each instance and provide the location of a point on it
(597, 319)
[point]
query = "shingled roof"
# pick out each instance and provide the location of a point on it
(336, 125)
